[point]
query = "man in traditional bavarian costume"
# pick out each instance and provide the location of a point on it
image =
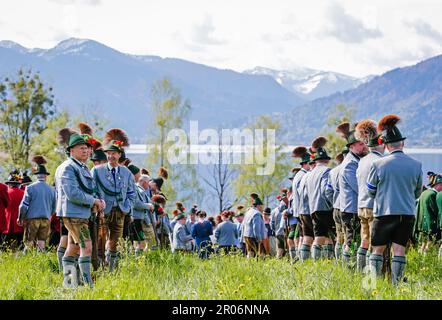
(94, 220)
(76, 196)
(116, 185)
(239, 216)
(36, 208)
(333, 180)
(277, 224)
(163, 223)
(320, 203)
(142, 231)
(291, 222)
(181, 239)
(156, 184)
(366, 132)
(151, 221)
(63, 141)
(253, 228)
(348, 186)
(395, 182)
(297, 207)
(304, 212)
(426, 227)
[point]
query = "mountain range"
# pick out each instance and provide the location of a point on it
(309, 83)
(88, 76)
(413, 92)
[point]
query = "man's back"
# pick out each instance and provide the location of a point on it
(226, 233)
(396, 179)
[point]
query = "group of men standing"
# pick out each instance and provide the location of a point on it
(368, 192)
(319, 216)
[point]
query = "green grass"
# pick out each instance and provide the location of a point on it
(162, 275)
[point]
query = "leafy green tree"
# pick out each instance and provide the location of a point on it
(266, 185)
(338, 114)
(46, 143)
(168, 112)
(26, 105)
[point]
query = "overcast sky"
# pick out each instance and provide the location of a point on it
(353, 37)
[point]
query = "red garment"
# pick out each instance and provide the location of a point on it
(15, 197)
(55, 223)
(4, 199)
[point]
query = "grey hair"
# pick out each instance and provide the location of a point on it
(144, 177)
(377, 148)
(41, 176)
(395, 145)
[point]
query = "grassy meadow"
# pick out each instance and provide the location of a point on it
(163, 275)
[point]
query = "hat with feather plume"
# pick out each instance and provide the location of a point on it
(302, 153)
(162, 175)
(115, 140)
(347, 131)
(366, 131)
(38, 165)
(388, 130)
(319, 152)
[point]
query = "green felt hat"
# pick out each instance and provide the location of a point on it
(302, 153)
(26, 179)
(133, 168)
(39, 169)
(115, 140)
(348, 131)
(99, 155)
(256, 201)
(114, 145)
(391, 135)
(76, 139)
(389, 131)
(437, 179)
(180, 216)
(319, 152)
(38, 166)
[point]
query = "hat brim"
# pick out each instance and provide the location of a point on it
(395, 140)
(322, 158)
(12, 182)
(76, 144)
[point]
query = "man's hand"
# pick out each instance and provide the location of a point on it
(150, 206)
(103, 204)
(99, 204)
(284, 213)
(19, 223)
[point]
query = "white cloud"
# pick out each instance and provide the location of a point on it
(352, 37)
(348, 29)
(425, 29)
(204, 33)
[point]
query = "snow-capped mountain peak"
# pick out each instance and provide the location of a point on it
(71, 44)
(310, 83)
(12, 45)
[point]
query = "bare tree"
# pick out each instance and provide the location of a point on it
(219, 181)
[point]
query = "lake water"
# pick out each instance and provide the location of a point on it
(430, 162)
